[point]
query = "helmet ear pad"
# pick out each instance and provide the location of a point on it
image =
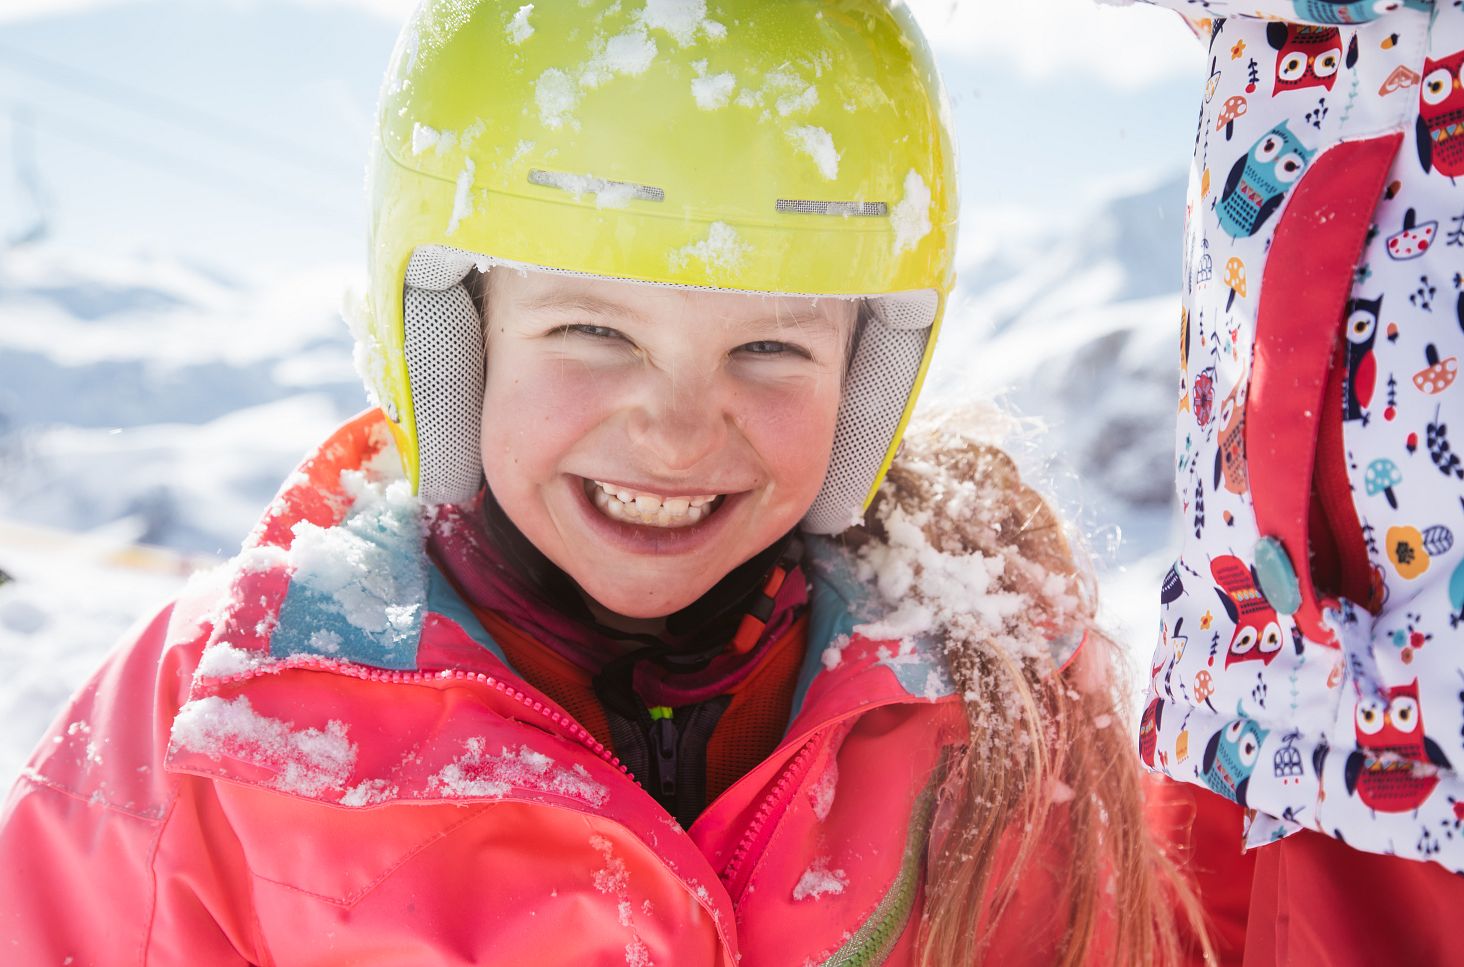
(879, 389)
(443, 346)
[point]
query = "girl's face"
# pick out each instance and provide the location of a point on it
(648, 440)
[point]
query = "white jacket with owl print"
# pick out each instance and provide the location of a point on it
(1311, 663)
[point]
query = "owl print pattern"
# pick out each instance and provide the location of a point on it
(1310, 663)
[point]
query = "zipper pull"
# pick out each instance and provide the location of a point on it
(664, 740)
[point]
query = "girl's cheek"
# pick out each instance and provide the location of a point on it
(791, 413)
(543, 406)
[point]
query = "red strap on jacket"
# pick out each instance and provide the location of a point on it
(1308, 279)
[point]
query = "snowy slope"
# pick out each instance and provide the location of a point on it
(145, 389)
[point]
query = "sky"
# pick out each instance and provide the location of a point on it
(234, 132)
(1092, 32)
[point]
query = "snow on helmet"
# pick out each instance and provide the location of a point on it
(797, 147)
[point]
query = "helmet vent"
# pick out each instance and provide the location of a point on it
(607, 192)
(860, 209)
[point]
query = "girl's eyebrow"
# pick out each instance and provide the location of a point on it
(578, 302)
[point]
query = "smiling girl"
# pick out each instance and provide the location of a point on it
(616, 632)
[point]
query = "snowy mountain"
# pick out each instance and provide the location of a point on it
(158, 399)
(156, 392)
(1078, 330)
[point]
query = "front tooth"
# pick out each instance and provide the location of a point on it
(699, 501)
(647, 504)
(677, 506)
(624, 496)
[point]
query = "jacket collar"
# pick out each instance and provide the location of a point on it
(337, 575)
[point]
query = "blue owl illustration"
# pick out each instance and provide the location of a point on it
(1351, 11)
(1260, 180)
(1231, 756)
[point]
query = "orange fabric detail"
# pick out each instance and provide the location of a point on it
(554, 675)
(754, 723)
(748, 732)
(750, 629)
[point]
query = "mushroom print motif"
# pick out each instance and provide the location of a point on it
(1257, 629)
(1441, 116)
(1413, 240)
(1204, 685)
(1231, 756)
(1307, 56)
(1439, 374)
(1384, 771)
(1382, 476)
(1233, 109)
(1260, 180)
(1234, 281)
(1362, 370)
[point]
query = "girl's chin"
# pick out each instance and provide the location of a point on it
(647, 596)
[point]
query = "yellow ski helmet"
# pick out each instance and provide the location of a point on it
(795, 147)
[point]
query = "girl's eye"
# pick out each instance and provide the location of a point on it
(594, 332)
(770, 347)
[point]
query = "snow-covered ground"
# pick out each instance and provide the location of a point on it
(157, 382)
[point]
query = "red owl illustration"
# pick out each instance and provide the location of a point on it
(1307, 56)
(1149, 732)
(1393, 723)
(1257, 629)
(1441, 115)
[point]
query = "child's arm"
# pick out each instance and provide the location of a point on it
(104, 857)
(1200, 13)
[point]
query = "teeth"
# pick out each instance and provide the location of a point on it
(650, 509)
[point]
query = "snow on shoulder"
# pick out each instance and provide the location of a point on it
(306, 762)
(964, 558)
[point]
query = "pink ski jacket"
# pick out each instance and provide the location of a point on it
(317, 756)
(1310, 666)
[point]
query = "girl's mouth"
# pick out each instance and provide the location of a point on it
(650, 510)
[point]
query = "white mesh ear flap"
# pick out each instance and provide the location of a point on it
(876, 392)
(444, 354)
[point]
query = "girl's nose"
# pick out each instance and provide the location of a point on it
(680, 422)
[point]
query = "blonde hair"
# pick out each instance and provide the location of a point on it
(1049, 758)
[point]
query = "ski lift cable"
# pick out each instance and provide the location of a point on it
(175, 112)
(199, 172)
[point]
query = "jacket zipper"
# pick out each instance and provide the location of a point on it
(664, 741)
(736, 870)
(565, 723)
